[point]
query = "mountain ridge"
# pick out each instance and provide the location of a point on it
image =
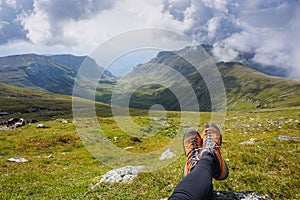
(46, 73)
(246, 88)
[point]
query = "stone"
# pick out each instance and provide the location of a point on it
(168, 154)
(18, 160)
(242, 195)
(249, 142)
(129, 147)
(64, 121)
(123, 174)
(50, 156)
(282, 137)
(41, 126)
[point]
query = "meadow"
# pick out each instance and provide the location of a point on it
(60, 167)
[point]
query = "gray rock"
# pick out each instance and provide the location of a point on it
(249, 142)
(242, 195)
(18, 160)
(41, 126)
(282, 137)
(129, 147)
(168, 154)
(123, 174)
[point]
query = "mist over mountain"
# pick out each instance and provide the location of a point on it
(247, 58)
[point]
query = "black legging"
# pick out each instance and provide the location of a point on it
(198, 183)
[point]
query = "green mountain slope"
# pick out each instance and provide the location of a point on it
(155, 82)
(245, 87)
(248, 88)
(47, 73)
(29, 103)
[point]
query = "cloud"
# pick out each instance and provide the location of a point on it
(85, 28)
(10, 28)
(272, 41)
(269, 29)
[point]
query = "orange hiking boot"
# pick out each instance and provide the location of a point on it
(212, 140)
(191, 144)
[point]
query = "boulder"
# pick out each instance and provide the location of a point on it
(41, 126)
(168, 154)
(282, 137)
(249, 142)
(17, 159)
(242, 195)
(124, 174)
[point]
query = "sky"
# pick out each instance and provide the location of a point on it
(268, 28)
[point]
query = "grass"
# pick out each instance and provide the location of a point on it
(269, 166)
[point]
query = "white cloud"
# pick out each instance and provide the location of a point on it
(269, 29)
(89, 32)
(37, 25)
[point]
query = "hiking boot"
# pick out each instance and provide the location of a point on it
(212, 140)
(191, 144)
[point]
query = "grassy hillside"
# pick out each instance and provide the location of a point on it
(60, 167)
(246, 88)
(249, 89)
(34, 104)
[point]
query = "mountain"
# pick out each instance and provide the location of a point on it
(166, 79)
(158, 82)
(54, 73)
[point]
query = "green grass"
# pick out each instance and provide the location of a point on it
(270, 166)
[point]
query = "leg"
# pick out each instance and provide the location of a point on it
(198, 183)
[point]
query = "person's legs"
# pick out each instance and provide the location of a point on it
(203, 162)
(198, 183)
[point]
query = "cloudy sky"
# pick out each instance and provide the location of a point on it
(268, 28)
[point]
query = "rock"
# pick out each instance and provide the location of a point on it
(50, 156)
(242, 195)
(18, 160)
(282, 137)
(41, 126)
(251, 141)
(168, 154)
(273, 122)
(259, 125)
(124, 174)
(129, 147)
(64, 121)
(4, 128)
(13, 123)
